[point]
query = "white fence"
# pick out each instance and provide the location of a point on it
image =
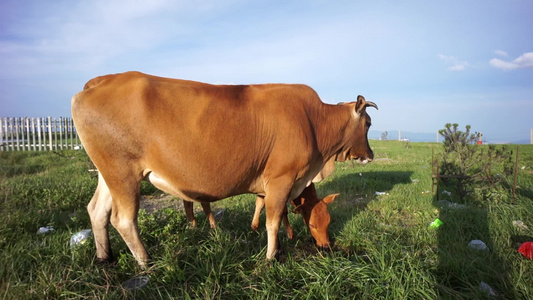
(38, 134)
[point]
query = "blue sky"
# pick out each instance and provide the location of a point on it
(425, 63)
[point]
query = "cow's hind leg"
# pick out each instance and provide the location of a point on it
(99, 210)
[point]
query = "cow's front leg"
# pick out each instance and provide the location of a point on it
(275, 204)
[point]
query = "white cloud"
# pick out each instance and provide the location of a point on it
(524, 61)
(501, 53)
(457, 64)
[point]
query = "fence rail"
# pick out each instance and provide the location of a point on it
(38, 134)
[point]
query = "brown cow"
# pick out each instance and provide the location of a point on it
(204, 142)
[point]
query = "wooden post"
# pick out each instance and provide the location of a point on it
(34, 146)
(28, 132)
(61, 133)
(71, 128)
(50, 133)
(11, 138)
(39, 136)
(515, 172)
(1, 135)
(55, 134)
(22, 135)
(17, 133)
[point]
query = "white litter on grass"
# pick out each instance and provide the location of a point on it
(43, 230)
(484, 287)
(451, 205)
(478, 245)
(520, 225)
(445, 192)
(135, 283)
(381, 193)
(523, 167)
(80, 238)
(415, 180)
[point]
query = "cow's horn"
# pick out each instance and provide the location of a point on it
(371, 104)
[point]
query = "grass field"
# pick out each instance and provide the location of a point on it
(384, 247)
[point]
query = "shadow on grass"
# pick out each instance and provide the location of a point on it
(464, 271)
(356, 191)
(361, 188)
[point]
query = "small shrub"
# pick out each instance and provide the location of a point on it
(473, 167)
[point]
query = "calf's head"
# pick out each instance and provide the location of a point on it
(315, 214)
(356, 138)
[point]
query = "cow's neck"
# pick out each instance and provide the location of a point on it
(334, 127)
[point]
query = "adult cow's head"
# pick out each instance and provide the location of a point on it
(315, 214)
(356, 146)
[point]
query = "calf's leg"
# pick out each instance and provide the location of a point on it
(188, 206)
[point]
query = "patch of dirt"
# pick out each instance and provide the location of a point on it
(153, 203)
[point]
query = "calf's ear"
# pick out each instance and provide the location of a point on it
(328, 199)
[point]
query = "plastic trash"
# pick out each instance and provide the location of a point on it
(485, 288)
(135, 283)
(478, 245)
(415, 180)
(381, 193)
(520, 225)
(43, 230)
(436, 223)
(526, 249)
(80, 238)
(219, 215)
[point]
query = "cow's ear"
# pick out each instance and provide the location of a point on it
(360, 105)
(328, 199)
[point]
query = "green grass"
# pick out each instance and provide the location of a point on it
(383, 245)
